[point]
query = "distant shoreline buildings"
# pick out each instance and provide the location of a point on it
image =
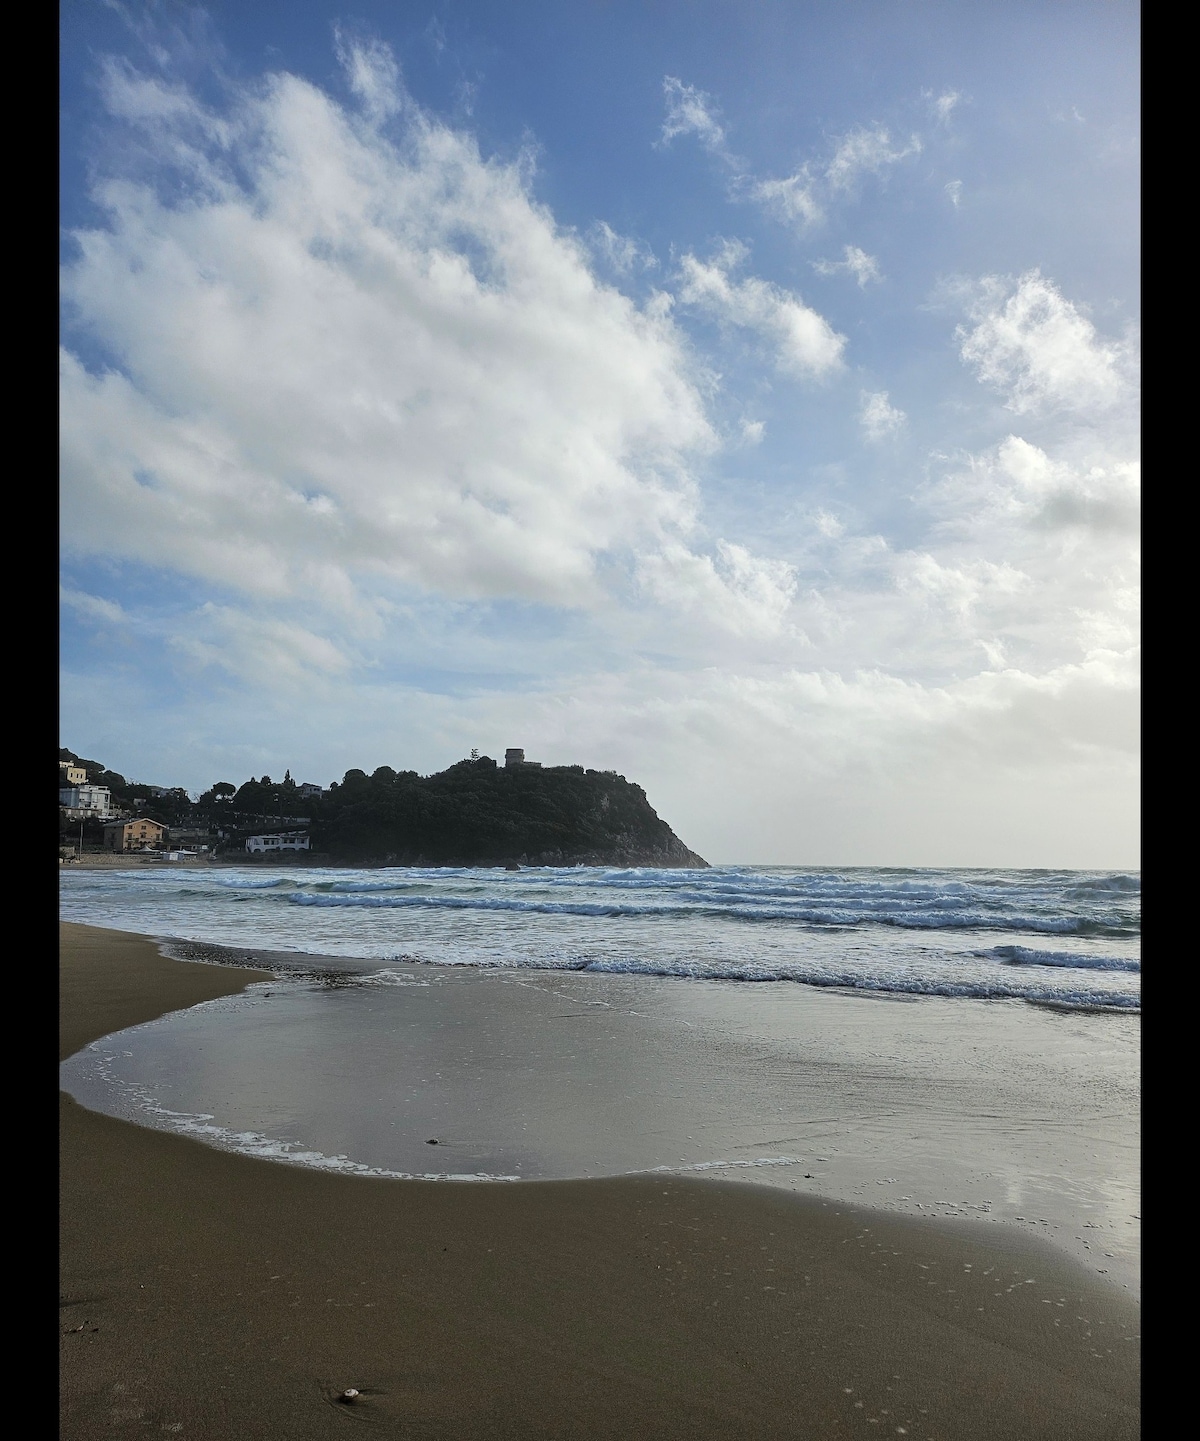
(475, 812)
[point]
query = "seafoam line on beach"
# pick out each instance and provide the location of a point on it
(253, 1143)
(742, 1165)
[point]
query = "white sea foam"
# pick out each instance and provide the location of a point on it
(1074, 960)
(757, 1163)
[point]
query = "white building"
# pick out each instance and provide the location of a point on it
(308, 789)
(86, 801)
(275, 845)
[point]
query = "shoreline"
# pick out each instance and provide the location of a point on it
(217, 1294)
(1031, 1174)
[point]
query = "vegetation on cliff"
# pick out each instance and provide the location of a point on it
(474, 813)
(479, 813)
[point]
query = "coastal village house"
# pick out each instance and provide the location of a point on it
(276, 844)
(134, 835)
(73, 775)
(82, 801)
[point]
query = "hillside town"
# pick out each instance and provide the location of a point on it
(104, 817)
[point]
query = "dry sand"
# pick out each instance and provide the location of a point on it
(213, 1295)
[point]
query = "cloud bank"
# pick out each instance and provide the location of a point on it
(343, 351)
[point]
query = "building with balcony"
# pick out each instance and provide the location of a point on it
(278, 844)
(84, 801)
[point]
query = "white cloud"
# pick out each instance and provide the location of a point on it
(828, 524)
(753, 432)
(803, 199)
(800, 200)
(856, 262)
(1018, 487)
(1032, 343)
(372, 73)
(792, 199)
(866, 150)
(691, 112)
(1053, 495)
(344, 363)
(959, 589)
(877, 416)
(1069, 526)
(272, 653)
(623, 253)
(1110, 631)
(994, 650)
(435, 33)
(954, 190)
(803, 341)
(944, 105)
(92, 607)
(737, 592)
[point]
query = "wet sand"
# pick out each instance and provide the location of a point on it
(211, 1294)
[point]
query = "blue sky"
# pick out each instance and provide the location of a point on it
(740, 397)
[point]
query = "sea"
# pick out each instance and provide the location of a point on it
(1070, 938)
(959, 1044)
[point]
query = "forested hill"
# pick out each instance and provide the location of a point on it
(474, 813)
(479, 813)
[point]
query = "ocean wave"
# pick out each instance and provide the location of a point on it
(1025, 956)
(972, 988)
(739, 883)
(1107, 885)
(848, 890)
(804, 915)
(254, 883)
(373, 887)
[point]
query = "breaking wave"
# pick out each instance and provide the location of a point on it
(1063, 938)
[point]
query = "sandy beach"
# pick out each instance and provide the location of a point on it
(211, 1294)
